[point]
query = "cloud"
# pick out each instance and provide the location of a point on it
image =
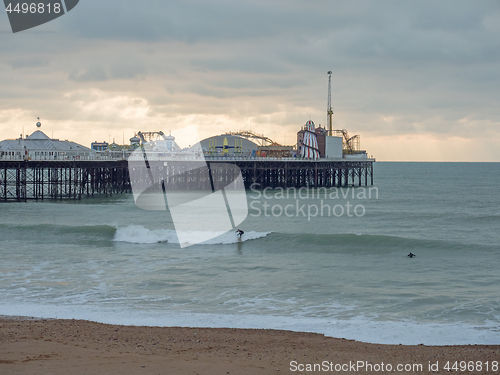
(400, 69)
(126, 70)
(28, 63)
(92, 74)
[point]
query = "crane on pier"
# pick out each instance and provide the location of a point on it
(329, 109)
(350, 144)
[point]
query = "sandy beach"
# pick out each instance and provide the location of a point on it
(34, 346)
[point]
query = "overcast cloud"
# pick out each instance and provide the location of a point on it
(418, 80)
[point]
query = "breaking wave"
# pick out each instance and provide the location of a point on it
(139, 235)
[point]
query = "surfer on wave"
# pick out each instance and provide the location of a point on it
(239, 233)
(411, 255)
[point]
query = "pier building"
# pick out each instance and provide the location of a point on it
(39, 146)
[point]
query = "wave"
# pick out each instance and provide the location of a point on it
(352, 241)
(140, 235)
(98, 232)
(136, 234)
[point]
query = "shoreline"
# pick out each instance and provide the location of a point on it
(58, 346)
(391, 332)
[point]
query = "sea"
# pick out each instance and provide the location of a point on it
(329, 261)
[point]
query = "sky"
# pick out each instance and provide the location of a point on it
(417, 80)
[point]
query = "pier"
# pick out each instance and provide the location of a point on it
(290, 172)
(40, 180)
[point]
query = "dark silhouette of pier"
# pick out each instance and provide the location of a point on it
(40, 180)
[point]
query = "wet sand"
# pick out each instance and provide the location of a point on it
(36, 346)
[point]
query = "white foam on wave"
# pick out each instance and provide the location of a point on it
(140, 235)
(358, 328)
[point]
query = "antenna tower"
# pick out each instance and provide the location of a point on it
(329, 109)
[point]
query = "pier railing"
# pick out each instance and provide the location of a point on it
(157, 156)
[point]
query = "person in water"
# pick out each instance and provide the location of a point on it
(239, 233)
(411, 255)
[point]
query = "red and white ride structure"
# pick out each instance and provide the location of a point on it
(309, 147)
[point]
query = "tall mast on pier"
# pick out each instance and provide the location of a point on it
(329, 110)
